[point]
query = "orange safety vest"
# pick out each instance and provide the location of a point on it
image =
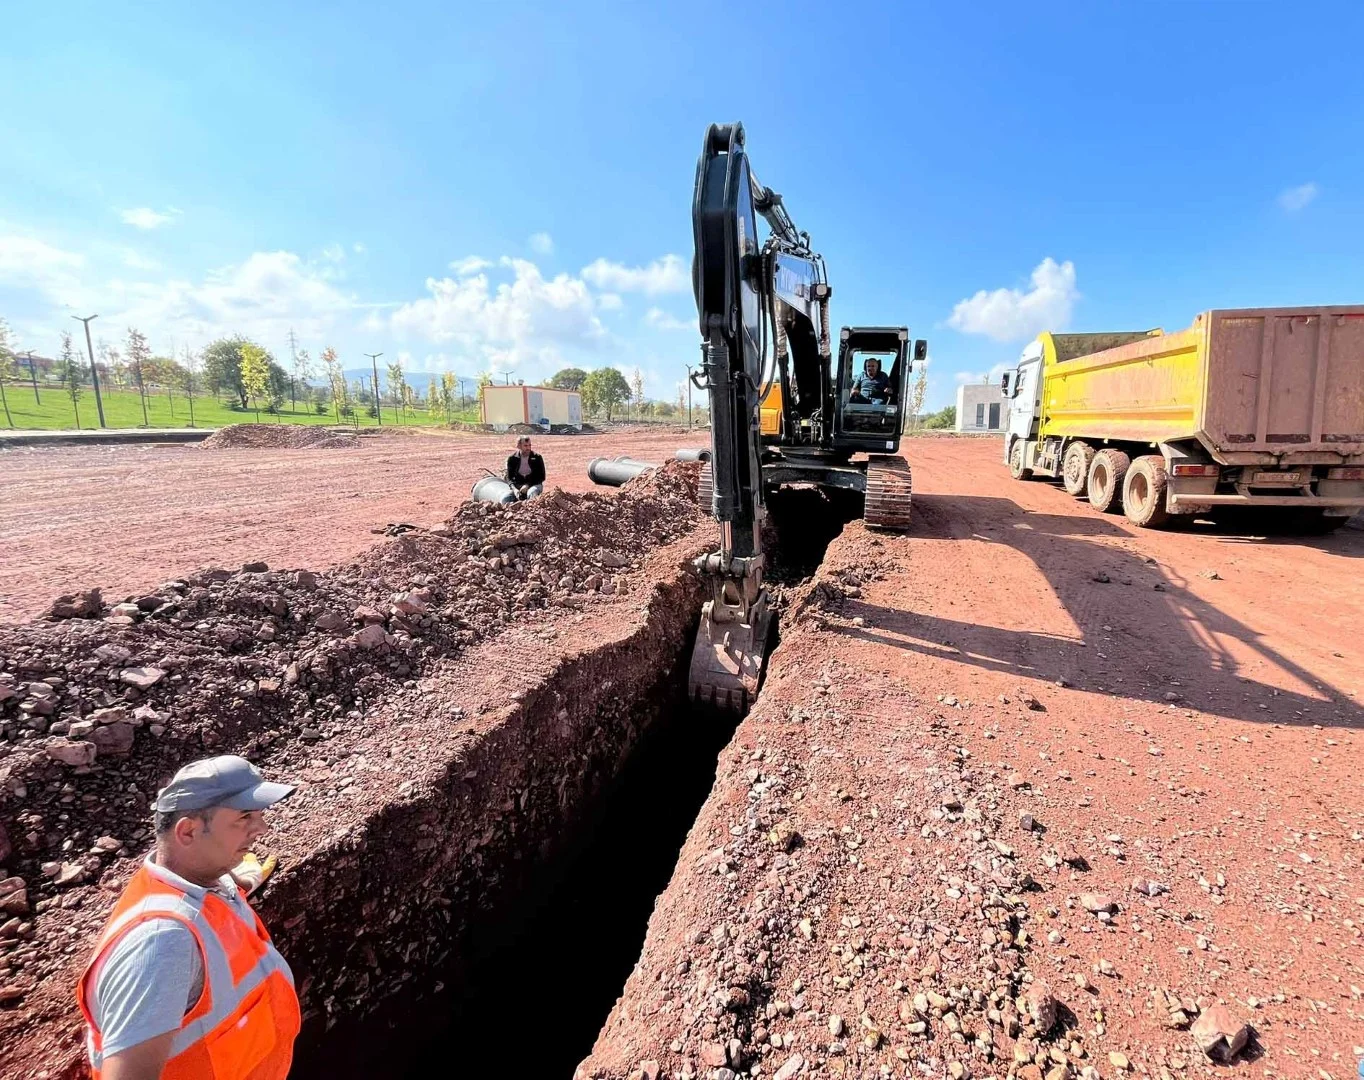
(244, 1024)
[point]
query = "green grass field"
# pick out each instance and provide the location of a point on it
(123, 410)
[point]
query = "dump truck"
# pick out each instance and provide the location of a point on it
(1258, 407)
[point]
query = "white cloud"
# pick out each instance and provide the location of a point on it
(661, 320)
(1012, 315)
(144, 217)
(542, 243)
(609, 301)
(29, 263)
(264, 297)
(334, 253)
(359, 248)
(528, 324)
(1296, 198)
(665, 275)
(135, 260)
(470, 264)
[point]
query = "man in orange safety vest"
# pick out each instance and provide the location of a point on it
(184, 983)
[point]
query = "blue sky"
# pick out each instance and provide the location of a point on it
(491, 186)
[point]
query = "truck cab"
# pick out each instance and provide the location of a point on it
(1023, 387)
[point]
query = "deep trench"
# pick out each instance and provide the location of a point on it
(531, 994)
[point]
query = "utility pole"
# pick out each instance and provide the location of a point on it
(94, 372)
(374, 360)
(506, 376)
(33, 374)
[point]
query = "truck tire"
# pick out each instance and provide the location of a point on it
(1016, 469)
(1143, 492)
(1106, 473)
(1075, 468)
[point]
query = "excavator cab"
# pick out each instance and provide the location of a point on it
(873, 373)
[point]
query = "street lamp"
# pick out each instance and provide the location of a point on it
(94, 372)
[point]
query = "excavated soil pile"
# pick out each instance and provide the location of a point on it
(278, 437)
(99, 704)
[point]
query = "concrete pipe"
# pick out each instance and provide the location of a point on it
(616, 473)
(693, 453)
(491, 489)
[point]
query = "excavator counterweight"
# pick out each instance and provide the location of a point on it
(763, 310)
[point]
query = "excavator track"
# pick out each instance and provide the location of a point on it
(888, 493)
(704, 488)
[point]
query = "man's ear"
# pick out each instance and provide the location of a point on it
(186, 829)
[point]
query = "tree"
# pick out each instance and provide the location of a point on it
(255, 372)
(397, 385)
(71, 376)
(917, 393)
(7, 370)
(303, 371)
(569, 378)
(447, 395)
(409, 394)
(637, 390)
(942, 419)
(604, 389)
(164, 372)
(223, 371)
(484, 381)
(335, 379)
(138, 355)
(189, 369)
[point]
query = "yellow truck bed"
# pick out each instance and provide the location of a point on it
(1264, 384)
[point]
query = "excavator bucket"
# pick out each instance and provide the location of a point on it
(728, 661)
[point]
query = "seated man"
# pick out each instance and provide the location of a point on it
(526, 470)
(873, 385)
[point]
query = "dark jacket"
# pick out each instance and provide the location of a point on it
(537, 470)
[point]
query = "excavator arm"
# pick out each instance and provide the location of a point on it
(729, 279)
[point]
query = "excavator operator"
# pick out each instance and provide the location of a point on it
(872, 386)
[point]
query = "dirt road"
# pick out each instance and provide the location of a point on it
(126, 518)
(1027, 746)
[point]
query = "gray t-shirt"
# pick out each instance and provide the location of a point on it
(154, 973)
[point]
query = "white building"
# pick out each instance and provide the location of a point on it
(981, 407)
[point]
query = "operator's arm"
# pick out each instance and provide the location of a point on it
(538, 472)
(141, 1062)
(512, 477)
(140, 994)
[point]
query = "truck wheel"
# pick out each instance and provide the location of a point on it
(1143, 492)
(1106, 474)
(1016, 469)
(1075, 468)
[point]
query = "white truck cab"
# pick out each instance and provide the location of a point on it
(1023, 387)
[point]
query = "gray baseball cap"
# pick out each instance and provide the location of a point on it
(228, 781)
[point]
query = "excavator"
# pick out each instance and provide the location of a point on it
(782, 411)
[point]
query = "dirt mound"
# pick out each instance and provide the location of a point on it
(278, 437)
(99, 704)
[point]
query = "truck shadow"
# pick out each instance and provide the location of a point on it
(1178, 652)
(1240, 526)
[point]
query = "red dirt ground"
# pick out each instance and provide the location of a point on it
(126, 518)
(1197, 723)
